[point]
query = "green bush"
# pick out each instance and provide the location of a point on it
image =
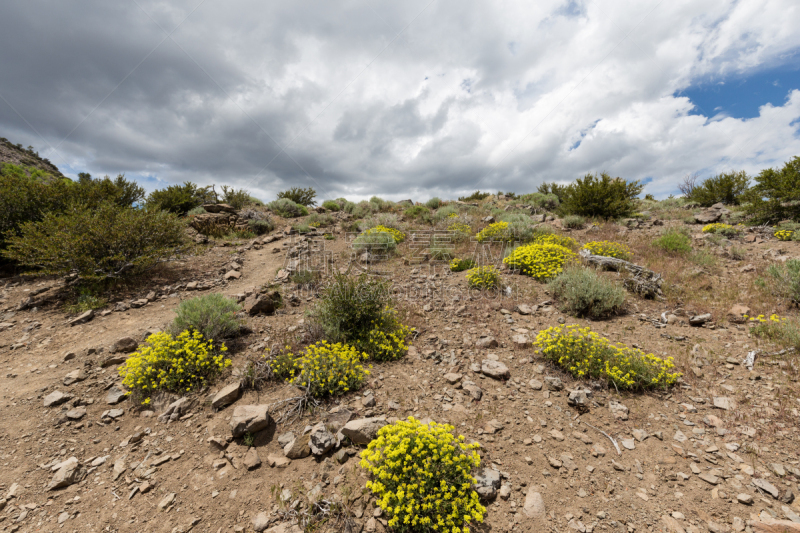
(459, 265)
(196, 211)
(601, 196)
(434, 203)
(262, 226)
(213, 315)
(559, 191)
(331, 205)
(418, 211)
(180, 199)
(86, 298)
(378, 243)
(727, 188)
(319, 220)
(237, 198)
(379, 204)
(674, 242)
(304, 197)
(574, 221)
(584, 293)
(106, 241)
(546, 202)
(286, 208)
(780, 330)
(359, 311)
(776, 194)
(785, 280)
(91, 191)
(477, 196)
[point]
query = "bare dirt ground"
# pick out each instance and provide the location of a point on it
(713, 453)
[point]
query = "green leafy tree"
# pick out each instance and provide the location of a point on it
(727, 188)
(776, 194)
(553, 188)
(600, 196)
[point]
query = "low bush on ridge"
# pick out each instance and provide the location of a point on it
(421, 477)
(459, 265)
(286, 208)
(586, 355)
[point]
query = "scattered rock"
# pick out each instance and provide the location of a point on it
(251, 459)
(298, 448)
(737, 313)
(56, 398)
(486, 342)
(226, 396)
(83, 318)
(67, 473)
(534, 504)
(321, 440)
(494, 369)
(175, 410)
(262, 303)
(115, 395)
(363, 430)
(767, 487)
(554, 383)
(699, 320)
(75, 376)
(618, 410)
(724, 403)
(487, 481)
(249, 419)
(744, 499)
(124, 345)
(260, 522)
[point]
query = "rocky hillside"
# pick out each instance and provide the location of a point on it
(26, 158)
(718, 452)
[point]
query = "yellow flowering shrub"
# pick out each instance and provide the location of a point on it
(784, 235)
(459, 265)
(181, 364)
(495, 232)
(386, 341)
(484, 278)
(554, 238)
(540, 261)
(422, 477)
(460, 227)
(585, 354)
(718, 227)
(609, 249)
(398, 235)
(324, 369)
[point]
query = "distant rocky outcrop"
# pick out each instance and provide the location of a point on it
(26, 158)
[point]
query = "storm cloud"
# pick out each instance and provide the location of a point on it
(399, 99)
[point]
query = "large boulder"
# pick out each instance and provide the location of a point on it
(262, 303)
(321, 440)
(249, 419)
(175, 410)
(298, 448)
(494, 369)
(711, 214)
(363, 430)
(487, 481)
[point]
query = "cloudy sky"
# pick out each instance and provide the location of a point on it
(402, 99)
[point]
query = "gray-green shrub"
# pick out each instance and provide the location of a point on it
(574, 221)
(785, 280)
(434, 202)
(584, 293)
(286, 208)
(213, 315)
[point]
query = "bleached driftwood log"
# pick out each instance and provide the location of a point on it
(639, 281)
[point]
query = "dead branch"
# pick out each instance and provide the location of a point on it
(640, 281)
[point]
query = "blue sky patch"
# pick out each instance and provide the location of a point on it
(741, 96)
